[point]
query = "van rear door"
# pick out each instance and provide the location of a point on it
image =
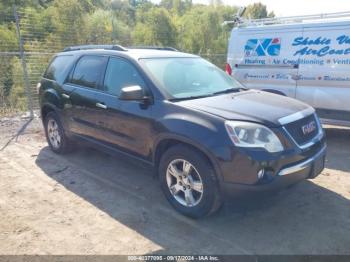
(324, 82)
(261, 58)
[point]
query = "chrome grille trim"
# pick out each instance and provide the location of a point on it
(296, 116)
(313, 140)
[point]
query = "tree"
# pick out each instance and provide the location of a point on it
(67, 18)
(141, 4)
(167, 4)
(155, 28)
(256, 11)
(178, 7)
(51, 25)
(8, 40)
(216, 3)
(124, 11)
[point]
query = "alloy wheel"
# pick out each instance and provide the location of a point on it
(53, 133)
(184, 182)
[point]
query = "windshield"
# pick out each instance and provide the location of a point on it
(190, 77)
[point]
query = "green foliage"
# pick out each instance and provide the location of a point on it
(47, 26)
(155, 28)
(8, 43)
(103, 27)
(123, 11)
(191, 27)
(178, 7)
(200, 30)
(8, 38)
(257, 11)
(68, 18)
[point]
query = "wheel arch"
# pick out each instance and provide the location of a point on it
(167, 142)
(47, 108)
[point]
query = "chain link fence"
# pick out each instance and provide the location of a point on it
(27, 43)
(11, 82)
(26, 48)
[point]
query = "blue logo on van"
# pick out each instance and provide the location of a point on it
(263, 47)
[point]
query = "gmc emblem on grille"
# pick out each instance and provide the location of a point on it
(309, 128)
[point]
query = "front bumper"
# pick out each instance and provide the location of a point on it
(287, 175)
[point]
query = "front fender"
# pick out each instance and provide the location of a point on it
(204, 132)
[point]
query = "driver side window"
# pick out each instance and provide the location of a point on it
(120, 74)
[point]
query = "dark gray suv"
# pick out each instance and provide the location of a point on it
(205, 134)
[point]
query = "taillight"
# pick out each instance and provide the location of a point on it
(228, 69)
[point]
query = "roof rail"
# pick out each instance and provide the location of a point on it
(287, 19)
(165, 48)
(87, 47)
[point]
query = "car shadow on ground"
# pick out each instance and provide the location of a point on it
(338, 150)
(304, 219)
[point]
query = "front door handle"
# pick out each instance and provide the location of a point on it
(101, 105)
(65, 96)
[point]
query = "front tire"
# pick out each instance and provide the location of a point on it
(189, 182)
(55, 134)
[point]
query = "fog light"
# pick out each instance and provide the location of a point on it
(261, 173)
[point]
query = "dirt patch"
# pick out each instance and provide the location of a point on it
(88, 202)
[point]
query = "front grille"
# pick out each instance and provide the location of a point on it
(295, 129)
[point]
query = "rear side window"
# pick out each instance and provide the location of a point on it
(119, 74)
(89, 71)
(59, 68)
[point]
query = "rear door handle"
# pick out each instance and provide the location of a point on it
(101, 105)
(65, 96)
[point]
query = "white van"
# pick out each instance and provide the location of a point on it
(307, 58)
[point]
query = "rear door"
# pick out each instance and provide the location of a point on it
(87, 108)
(261, 58)
(324, 74)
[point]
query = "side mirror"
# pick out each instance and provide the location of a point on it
(133, 93)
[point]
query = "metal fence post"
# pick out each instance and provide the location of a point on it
(24, 65)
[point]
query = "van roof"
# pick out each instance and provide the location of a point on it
(340, 18)
(306, 24)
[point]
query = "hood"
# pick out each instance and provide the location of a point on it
(255, 106)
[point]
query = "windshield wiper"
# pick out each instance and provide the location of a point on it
(189, 97)
(227, 91)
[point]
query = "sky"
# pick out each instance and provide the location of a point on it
(292, 7)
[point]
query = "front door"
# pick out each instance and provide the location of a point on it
(128, 126)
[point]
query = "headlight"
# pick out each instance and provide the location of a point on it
(245, 134)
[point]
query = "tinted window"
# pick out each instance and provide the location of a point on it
(59, 68)
(119, 74)
(89, 70)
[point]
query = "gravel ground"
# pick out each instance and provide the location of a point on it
(88, 202)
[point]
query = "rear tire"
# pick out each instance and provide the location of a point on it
(189, 182)
(55, 134)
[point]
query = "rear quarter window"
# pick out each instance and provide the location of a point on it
(59, 68)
